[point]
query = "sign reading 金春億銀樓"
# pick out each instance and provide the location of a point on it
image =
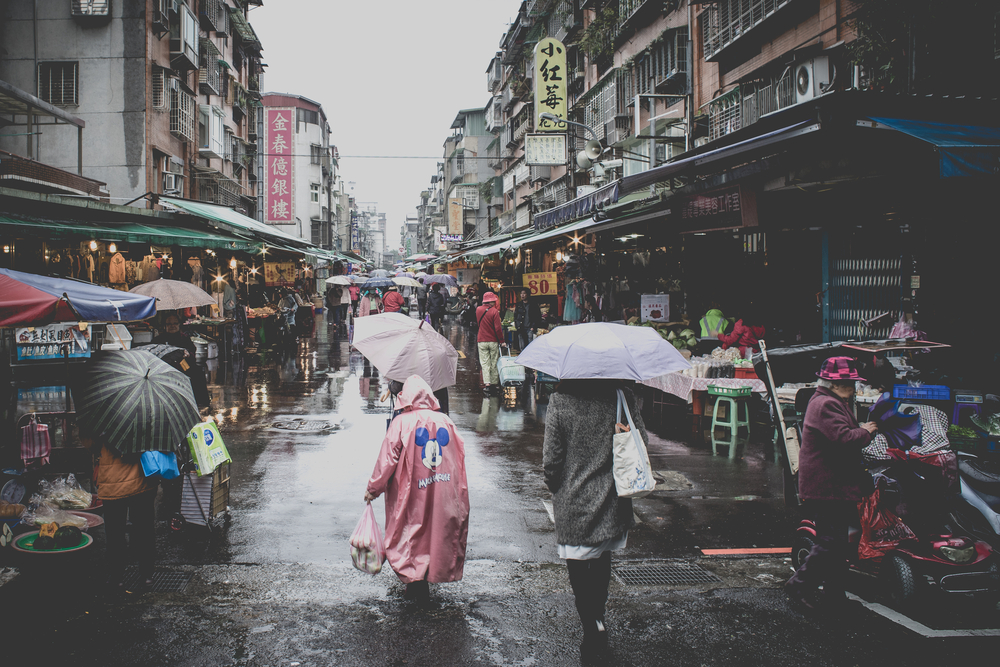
(541, 284)
(550, 85)
(279, 159)
(719, 209)
(544, 149)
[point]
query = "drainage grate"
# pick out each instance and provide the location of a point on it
(164, 581)
(674, 574)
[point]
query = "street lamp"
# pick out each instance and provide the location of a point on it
(591, 151)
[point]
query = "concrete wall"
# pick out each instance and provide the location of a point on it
(112, 87)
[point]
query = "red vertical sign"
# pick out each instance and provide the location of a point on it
(279, 160)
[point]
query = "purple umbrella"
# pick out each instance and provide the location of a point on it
(445, 279)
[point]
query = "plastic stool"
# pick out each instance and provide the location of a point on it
(732, 421)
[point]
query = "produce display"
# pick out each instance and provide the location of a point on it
(962, 432)
(990, 425)
(64, 493)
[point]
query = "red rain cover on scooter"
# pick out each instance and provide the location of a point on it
(881, 529)
(943, 464)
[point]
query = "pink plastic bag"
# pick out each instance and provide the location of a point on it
(367, 543)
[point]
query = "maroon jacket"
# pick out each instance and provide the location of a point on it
(744, 336)
(830, 463)
(490, 325)
(392, 301)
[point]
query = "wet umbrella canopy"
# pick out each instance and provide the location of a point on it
(134, 402)
(401, 346)
(601, 350)
(445, 279)
(377, 281)
(174, 294)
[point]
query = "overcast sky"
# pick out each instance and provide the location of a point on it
(391, 77)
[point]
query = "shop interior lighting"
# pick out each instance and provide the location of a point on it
(232, 263)
(112, 248)
(559, 255)
(253, 270)
(6, 249)
(93, 245)
(576, 239)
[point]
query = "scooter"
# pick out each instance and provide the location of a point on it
(954, 565)
(975, 510)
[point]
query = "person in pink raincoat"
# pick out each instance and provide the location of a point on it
(421, 470)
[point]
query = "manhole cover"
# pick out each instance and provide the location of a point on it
(670, 574)
(304, 425)
(164, 581)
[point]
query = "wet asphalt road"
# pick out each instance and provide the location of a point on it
(275, 585)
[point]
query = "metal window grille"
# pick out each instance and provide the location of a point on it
(158, 86)
(210, 13)
(727, 20)
(209, 74)
(183, 109)
(627, 8)
(315, 153)
(90, 7)
(58, 83)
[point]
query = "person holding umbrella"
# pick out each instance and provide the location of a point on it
(489, 337)
(596, 363)
(436, 306)
(128, 403)
(421, 469)
(393, 300)
(421, 298)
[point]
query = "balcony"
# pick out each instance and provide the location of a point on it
(252, 112)
(209, 14)
(240, 101)
(253, 85)
(242, 29)
(210, 72)
(161, 17)
(22, 173)
(494, 74)
(728, 20)
(744, 105)
(184, 40)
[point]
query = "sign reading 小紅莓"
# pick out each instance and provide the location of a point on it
(550, 85)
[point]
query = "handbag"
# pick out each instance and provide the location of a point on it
(160, 464)
(35, 443)
(633, 474)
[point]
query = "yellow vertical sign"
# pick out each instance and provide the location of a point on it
(455, 216)
(550, 85)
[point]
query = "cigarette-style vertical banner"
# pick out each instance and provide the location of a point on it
(550, 84)
(279, 159)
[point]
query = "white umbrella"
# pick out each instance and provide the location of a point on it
(403, 281)
(401, 346)
(338, 280)
(601, 350)
(175, 294)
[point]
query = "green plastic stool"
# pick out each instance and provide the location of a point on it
(735, 397)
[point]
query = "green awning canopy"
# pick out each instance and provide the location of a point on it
(124, 233)
(237, 221)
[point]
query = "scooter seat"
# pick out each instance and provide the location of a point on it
(979, 475)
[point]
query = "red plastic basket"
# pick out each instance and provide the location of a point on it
(746, 374)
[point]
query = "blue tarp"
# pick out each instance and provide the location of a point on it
(92, 303)
(577, 208)
(965, 150)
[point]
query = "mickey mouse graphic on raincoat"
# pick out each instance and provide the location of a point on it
(421, 470)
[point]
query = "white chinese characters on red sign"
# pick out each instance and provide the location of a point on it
(279, 170)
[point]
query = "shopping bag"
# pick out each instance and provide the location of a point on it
(367, 546)
(35, 443)
(881, 529)
(633, 474)
(160, 464)
(208, 451)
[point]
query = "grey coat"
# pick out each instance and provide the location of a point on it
(577, 457)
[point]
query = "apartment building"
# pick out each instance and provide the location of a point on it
(170, 88)
(300, 168)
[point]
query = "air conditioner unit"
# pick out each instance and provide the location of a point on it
(812, 78)
(172, 183)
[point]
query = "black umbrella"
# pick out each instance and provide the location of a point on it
(133, 402)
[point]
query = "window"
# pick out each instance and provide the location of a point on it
(315, 153)
(57, 83)
(314, 192)
(211, 134)
(159, 88)
(306, 116)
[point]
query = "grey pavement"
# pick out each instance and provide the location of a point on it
(274, 584)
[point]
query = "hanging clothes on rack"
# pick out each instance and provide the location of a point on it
(574, 301)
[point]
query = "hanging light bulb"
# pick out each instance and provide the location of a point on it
(232, 263)
(253, 270)
(112, 248)
(93, 245)
(558, 255)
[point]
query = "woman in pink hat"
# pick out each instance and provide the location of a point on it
(832, 481)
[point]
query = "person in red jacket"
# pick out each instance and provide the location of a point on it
(393, 300)
(490, 335)
(745, 334)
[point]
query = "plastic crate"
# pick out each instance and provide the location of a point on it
(928, 392)
(745, 374)
(731, 392)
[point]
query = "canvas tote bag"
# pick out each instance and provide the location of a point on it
(633, 474)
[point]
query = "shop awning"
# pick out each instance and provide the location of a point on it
(238, 221)
(127, 233)
(579, 207)
(670, 169)
(486, 251)
(965, 150)
(567, 229)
